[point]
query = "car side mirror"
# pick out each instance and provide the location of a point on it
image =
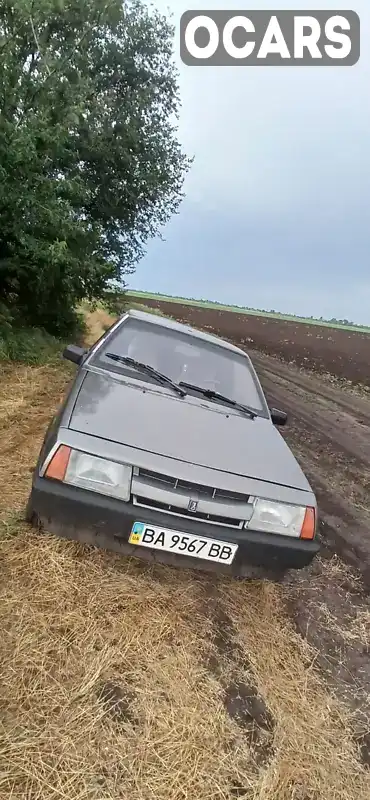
(74, 353)
(278, 417)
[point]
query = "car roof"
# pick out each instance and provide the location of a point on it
(171, 324)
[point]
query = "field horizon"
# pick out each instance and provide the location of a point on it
(333, 323)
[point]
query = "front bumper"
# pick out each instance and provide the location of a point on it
(104, 522)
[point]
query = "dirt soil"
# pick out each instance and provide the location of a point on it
(120, 679)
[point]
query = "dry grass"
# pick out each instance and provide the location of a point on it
(107, 688)
(76, 623)
(352, 625)
(357, 630)
(97, 322)
(332, 596)
(29, 396)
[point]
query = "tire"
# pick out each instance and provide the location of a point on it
(30, 515)
(258, 574)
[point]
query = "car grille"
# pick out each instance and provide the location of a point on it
(165, 493)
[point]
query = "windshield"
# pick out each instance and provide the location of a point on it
(182, 357)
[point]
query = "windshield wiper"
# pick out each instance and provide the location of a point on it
(217, 396)
(148, 370)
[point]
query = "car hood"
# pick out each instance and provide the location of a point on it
(188, 429)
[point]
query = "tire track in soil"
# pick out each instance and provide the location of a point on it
(228, 663)
(324, 416)
(253, 645)
(333, 448)
(331, 609)
(329, 432)
(349, 401)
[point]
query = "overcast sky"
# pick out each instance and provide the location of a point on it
(277, 208)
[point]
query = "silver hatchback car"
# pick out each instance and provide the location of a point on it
(165, 449)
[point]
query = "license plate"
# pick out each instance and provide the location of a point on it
(182, 544)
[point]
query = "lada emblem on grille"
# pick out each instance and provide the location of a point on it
(192, 505)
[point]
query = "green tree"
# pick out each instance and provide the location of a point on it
(90, 166)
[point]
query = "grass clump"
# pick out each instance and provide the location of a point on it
(28, 345)
(25, 344)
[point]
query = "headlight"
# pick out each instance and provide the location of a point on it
(282, 518)
(90, 472)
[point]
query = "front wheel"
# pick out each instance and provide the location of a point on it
(260, 574)
(30, 515)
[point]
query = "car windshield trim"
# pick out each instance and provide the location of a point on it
(148, 370)
(212, 395)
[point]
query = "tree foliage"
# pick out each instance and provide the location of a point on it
(90, 166)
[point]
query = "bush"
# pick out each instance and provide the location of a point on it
(28, 345)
